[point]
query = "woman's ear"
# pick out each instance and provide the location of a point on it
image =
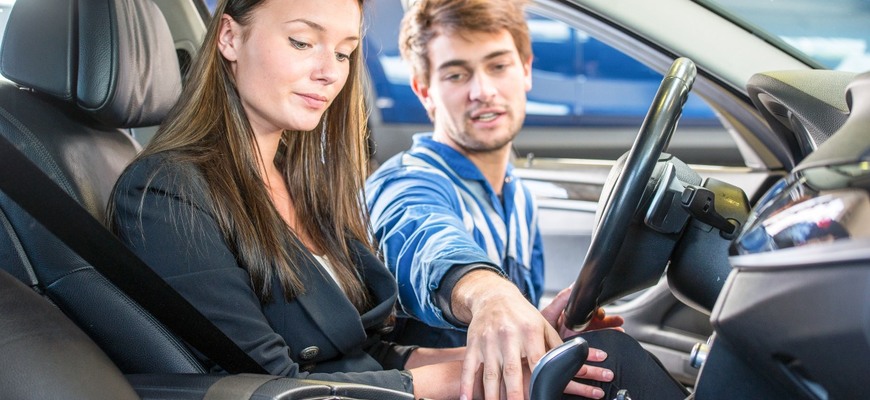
(228, 37)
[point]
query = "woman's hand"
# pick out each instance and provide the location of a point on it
(554, 313)
(591, 373)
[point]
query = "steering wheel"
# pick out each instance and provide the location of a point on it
(618, 206)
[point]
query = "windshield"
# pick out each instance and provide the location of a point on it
(834, 34)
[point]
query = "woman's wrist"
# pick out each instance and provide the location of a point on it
(436, 381)
(423, 356)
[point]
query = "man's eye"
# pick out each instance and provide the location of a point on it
(299, 45)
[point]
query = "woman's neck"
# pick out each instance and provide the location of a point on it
(279, 192)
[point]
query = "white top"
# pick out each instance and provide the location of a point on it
(328, 267)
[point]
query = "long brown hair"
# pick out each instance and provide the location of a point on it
(324, 170)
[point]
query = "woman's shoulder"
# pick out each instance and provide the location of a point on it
(164, 170)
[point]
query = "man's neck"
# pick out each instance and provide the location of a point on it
(493, 166)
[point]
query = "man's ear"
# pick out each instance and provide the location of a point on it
(422, 92)
(527, 73)
(228, 38)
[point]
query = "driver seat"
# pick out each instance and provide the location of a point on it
(80, 74)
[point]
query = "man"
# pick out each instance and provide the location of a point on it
(456, 227)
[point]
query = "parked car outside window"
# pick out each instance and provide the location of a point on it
(587, 98)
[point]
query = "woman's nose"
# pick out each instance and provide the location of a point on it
(328, 68)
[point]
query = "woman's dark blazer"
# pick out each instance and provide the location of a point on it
(163, 214)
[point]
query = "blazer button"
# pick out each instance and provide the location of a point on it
(309, 353)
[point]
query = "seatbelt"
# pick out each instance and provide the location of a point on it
(28, 186)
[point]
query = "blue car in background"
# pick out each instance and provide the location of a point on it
(588, 99)
(577, 79)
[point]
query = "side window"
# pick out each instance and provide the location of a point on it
(390, 75)
(5, 8)
(581, 81)
(588, 99)
(577, 80)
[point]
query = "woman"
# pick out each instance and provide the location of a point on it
(246, 201)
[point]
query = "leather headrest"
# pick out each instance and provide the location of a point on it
(114, 59)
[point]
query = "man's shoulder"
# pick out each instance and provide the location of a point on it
(408, 165)
(405, 177)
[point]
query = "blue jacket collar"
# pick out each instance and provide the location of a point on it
(462, 166)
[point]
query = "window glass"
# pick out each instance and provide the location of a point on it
(832, 33)
(5, 7)
(577, 80)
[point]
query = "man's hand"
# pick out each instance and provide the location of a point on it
(504, 329)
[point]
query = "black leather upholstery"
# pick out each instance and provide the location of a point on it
(113, 59)
(36, 335)
(91, 69)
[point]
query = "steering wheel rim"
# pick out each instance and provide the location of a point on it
(623, 200)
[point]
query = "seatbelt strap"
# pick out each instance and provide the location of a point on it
(28, 186)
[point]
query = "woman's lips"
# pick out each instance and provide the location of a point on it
(313, 100)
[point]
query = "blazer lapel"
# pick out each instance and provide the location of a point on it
(329, 307)
(380, 282)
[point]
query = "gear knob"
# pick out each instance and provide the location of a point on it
(556, 369)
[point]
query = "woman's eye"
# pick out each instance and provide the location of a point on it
(299, 45)
(342, 56)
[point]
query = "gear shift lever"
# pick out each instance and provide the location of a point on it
(556, 369)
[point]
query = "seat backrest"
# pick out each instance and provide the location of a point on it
(82, 72)
(37, 335)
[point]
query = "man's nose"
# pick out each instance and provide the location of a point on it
(482, 88)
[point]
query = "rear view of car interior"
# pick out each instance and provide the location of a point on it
(85, 82)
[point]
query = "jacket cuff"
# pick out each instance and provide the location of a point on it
(444, 293)
(391, 355)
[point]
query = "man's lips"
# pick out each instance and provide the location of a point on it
(486, 115)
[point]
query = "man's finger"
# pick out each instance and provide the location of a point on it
(470, 367)
(512, 372)
(491, 378)
(536, 346)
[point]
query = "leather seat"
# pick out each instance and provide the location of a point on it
(81, 73)
(36, 335)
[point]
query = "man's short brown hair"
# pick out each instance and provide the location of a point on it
(426, 19)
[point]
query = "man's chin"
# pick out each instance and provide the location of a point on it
(483, 148)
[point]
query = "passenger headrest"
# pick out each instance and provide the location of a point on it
(114, 59)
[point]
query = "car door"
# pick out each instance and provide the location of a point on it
(593, 81)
